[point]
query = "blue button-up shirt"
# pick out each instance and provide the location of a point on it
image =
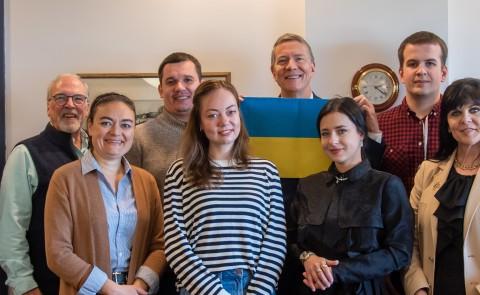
(121, 218)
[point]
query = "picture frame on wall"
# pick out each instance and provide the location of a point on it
(142, 88)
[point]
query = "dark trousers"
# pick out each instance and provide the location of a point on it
(3, 278)
(167, 283)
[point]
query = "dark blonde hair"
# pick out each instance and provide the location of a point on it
(197, 164)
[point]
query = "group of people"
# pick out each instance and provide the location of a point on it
(177, 204)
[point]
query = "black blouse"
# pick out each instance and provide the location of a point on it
(362, 218)
(453, 196)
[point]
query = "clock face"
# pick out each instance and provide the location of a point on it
(376, 85)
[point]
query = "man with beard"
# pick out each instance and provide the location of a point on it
(25, 181)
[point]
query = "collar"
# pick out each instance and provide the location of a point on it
(164, 115)
(351, 175)
(89, 164)
(313, 95)
(84, 139)
(58, 136)
(64, 138)
(435, 109)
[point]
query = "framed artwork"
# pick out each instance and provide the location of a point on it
(140, 87)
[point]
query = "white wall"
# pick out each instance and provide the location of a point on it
(464, 39)
(347, 35)
(44, 38)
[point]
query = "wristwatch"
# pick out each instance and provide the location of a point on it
(305, 255)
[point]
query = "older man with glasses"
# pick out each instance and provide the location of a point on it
(25, 182)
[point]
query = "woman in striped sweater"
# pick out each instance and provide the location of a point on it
(224, 217)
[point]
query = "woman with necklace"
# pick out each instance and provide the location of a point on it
(353, 223)
(446, 201)
(224, 218)
(103, 217)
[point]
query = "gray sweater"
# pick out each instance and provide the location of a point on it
(157, 144)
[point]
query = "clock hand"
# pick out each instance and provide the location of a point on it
(378, 87)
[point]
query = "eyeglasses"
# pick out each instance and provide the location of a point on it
(61, 99)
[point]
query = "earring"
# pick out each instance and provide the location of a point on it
(361, 143)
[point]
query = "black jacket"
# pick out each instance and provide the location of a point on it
(364, 221)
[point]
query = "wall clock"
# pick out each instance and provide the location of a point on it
(378, 83)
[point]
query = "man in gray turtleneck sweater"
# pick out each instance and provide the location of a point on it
(157, 141)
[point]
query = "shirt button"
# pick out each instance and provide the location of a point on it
(419, 143)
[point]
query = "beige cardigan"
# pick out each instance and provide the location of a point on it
(420, 274)
(76, 234)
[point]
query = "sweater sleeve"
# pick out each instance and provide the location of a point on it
(188, 267)
(273, 248)
(395, 251)
(19, 182)
(155, 263)
(61, 258)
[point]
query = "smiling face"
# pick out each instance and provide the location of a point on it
(178, 84)
(220, 121)
(422, 71)
(68, 117)
(341, 140)
(464, 124)
(112, 130)
(293, 69)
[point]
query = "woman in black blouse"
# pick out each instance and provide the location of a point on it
(353, 223)
(446, 201)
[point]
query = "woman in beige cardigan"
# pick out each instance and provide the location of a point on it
(446, 201)
(103, 217)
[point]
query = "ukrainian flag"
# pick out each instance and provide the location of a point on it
(284, 131)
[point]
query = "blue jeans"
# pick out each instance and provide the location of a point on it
(234, 281)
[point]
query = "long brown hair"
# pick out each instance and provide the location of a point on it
(197, 165)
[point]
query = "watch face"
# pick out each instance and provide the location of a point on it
(376, 85)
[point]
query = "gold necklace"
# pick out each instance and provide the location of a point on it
(474, 166)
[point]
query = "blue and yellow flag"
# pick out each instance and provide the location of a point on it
(284, 131)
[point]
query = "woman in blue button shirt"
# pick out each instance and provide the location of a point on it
(103, 217)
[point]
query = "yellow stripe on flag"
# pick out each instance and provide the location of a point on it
(294, 157)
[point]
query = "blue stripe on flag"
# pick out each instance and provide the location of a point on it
(281, 117)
